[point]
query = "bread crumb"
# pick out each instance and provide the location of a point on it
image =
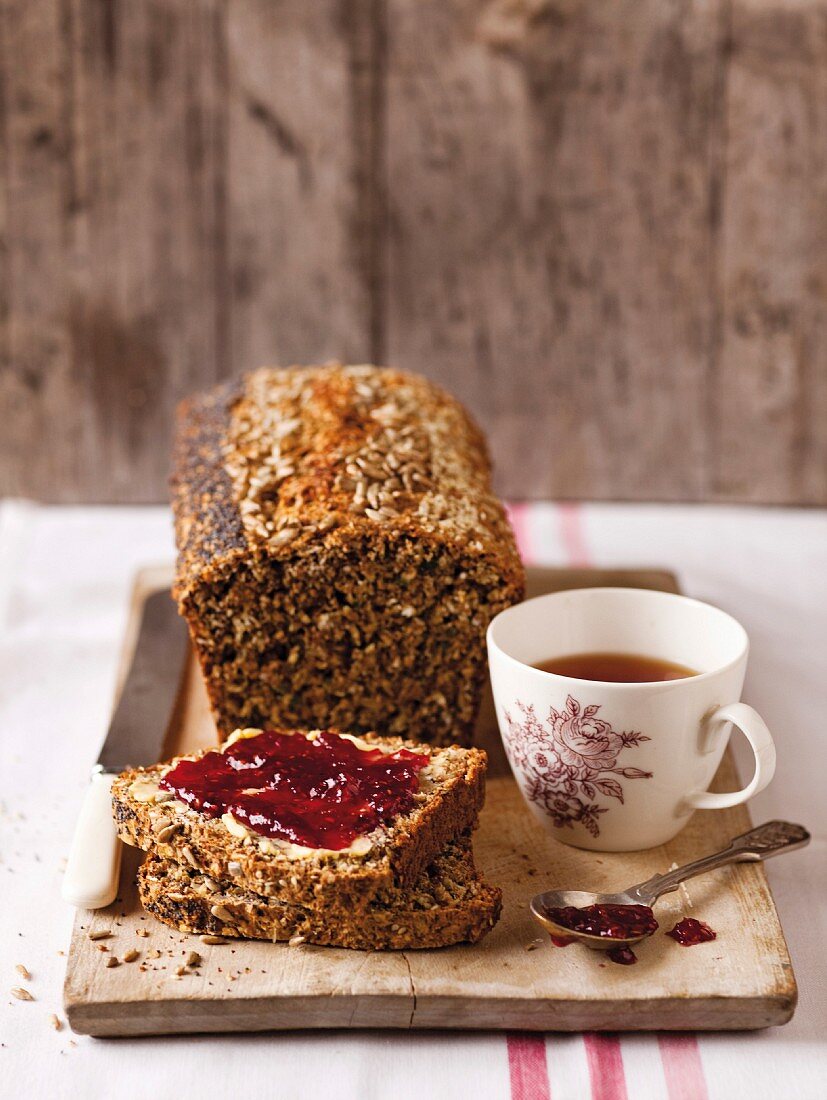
(56, 1022)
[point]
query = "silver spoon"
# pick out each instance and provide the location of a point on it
(770, 839)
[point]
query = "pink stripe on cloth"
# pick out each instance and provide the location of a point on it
(605, 1067)
(528, 1068)
(518, 516)
(680, 1054)
(603, 1054)
(682, 1067)
(572, 535)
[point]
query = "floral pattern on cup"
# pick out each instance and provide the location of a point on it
(569, 759)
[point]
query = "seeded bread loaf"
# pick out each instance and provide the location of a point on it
(340, 552)
(448, 903)
(447, 803)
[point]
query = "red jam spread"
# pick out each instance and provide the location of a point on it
(319, 793)
(614, 922)
(689, 932)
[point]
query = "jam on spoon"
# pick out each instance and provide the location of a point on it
(689, 932)
(611, 922)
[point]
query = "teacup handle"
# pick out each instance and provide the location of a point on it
(753, 727)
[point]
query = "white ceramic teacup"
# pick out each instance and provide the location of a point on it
(616, 766)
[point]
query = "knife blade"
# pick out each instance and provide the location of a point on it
(135, 738)
(139, 724)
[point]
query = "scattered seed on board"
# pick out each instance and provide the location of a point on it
(113, 960)
(56, 1022)
(100, 934)
(534, 945)
(181, 971)
(213, 939)
(142, 932)
(22, 994)
(23, 972)
(193, 959)
(131, 955)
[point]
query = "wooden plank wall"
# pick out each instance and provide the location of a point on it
(603, 225)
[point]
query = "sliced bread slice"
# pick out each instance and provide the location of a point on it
(449, 903)
(446, 804)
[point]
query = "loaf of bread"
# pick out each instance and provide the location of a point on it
(340, 552)
(448, 903)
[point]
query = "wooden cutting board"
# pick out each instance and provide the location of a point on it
(742, 980)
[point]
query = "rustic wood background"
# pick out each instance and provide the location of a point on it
(604, 225)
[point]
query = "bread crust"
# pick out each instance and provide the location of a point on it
(449, 903)
(399, 852)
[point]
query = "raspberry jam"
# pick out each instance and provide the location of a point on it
(321, 793)
(561, 941)
(689, 932)
(614, 922)
(623, 955)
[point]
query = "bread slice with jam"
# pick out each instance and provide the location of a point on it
(448, 903)
(308, 818)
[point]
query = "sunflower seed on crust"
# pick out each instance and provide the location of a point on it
(189, 856)
(222, 913)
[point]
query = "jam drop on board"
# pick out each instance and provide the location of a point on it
(689, 932)
(623, 955)
(613, 922)
(320, 793)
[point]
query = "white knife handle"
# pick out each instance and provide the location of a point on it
(93, 869)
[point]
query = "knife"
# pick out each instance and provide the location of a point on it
(136, 737)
